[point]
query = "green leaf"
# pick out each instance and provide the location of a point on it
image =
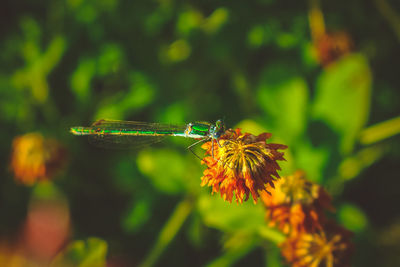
(262, 34)
(177, 51)
(255, 36)
(227, 216)
(166, 170)
(250, 126)
(138, 215)
(216, 20)
(109, 59)
(352, 217)
(188, 20)
(89, 253)
(352, 166)
(312, 160)
(284, 99)
(286, 40)
(273, 257)
(342, 99)
(81, 79)
(236, 247)
(140, 94)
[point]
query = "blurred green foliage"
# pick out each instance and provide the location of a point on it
(91, 253)
(67, 63)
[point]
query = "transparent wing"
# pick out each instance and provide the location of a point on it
(123, 142)
(136, 134)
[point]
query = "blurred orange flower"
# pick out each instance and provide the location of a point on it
(328, 247)
(296, 204)
(240, 164)
(46, 229)
(331, 46)
(34, 158)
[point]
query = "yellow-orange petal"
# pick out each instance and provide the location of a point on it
(330, 246)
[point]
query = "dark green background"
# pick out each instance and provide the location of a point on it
(68, 63)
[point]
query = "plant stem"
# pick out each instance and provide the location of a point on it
(316, 20)
(272, 235)
(380, 131)
(390, 15)
(169, 231)
(232, 255)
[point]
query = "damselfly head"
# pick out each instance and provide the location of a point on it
(219, 129)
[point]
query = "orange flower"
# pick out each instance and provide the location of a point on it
(328, 247)
(242, 164)
(331, 46)
(35, 158)
(296, 204)
(46, 228)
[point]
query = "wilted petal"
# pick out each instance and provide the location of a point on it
(243, 164)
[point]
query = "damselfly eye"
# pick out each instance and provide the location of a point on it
(219, 128)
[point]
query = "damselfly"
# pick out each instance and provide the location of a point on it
(127, 134)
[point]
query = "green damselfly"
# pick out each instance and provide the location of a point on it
(128, 134)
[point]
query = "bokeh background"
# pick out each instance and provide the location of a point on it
(323, 78)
